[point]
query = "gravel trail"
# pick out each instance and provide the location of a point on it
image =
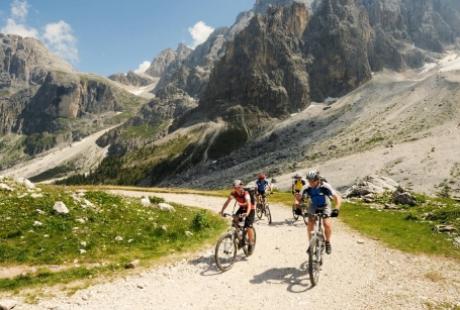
(360, 274)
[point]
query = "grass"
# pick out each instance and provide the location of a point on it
(401, 230)
(102, 232)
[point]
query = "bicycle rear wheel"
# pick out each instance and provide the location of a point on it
(294, 214)
(314, 261)
(259, 211)
(225, 252)
(268, 213)
(248, 252)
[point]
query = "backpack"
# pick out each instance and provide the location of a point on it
(252, 194)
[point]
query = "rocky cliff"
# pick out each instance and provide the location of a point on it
(45, 100)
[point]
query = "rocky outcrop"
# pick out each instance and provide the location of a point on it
(263, 67)
(336, 45)
(131, 79)
(161, 63)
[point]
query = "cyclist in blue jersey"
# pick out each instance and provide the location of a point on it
(321, 196)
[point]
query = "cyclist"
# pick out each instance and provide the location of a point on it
(246, 209)
(297, 186)
(262, 186)
(321, 193)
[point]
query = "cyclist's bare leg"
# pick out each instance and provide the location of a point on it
(328, 228)
(310, 226)
(250, 232)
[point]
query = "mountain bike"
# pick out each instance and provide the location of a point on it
(316, 247)
(228, 245)
(263, 208)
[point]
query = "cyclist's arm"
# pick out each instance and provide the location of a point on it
(337, 201)
(229, 199)
(249, 204)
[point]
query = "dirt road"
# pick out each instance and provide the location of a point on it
(360, 274)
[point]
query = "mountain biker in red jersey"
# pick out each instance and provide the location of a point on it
(246, 208)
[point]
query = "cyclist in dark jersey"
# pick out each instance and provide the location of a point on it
(246, 208)
(321, 193)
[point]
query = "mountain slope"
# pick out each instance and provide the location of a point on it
(284, 60)
(44, 102)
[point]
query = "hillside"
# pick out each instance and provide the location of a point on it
(290, 86)
(45, 103)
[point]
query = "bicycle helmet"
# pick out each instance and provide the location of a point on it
(238, 184)
(313, 175)
(297, 176)
(261, 176)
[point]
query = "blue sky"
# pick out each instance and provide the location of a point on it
(109, 36)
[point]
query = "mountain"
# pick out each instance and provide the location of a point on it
(132, 79)
(270, 93)
(44, 102)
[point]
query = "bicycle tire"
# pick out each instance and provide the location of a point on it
(295, 215)
(259, 211)
(234, 248)
(246, 243)
(313, 261)
(268, 213)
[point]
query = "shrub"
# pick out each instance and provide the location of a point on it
(156, 200)
(200, 221)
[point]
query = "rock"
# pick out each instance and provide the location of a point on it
(83, 244)
(118, 238)
(166, 207)
(60, 208)
(445, 228)
(370, 186)
(41, 212)
(360, 241)
(38, 224)
(188, 233)
(402, 197)
(390, 206)
(133, 264)
(28, 184)
(36, 195)
(145, 201)
(5, 187)
(82, 251)
(80, 220)
(7, 304)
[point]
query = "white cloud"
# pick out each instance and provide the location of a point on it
(142, 67)
(200, 33)
(12, 27)
(19, 9)
(60, 39)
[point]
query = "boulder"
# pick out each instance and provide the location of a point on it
(166, 207)
(133, 264)
(445, 228)
(145, 201)
(7, 304)
(401, 197)
(371, 185)
(60, 208)
(5, 187)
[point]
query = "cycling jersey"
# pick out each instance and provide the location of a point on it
(242, 199)
(320, 196)
(299, 185)
(262, 186)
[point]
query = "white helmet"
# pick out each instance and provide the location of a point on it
(313, 175)
(238, 183)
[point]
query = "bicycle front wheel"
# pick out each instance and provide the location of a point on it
(294, 214)
(314, 261)
(247, 248)
(259, 211)
(268, 213)
(225, 252)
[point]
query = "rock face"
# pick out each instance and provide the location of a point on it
(263, 67)
(44, 99)
(371, 185)
(162, 62)
(131, 79)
